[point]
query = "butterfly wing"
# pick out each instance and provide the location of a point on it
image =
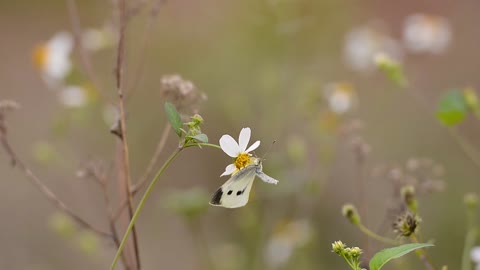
(235, 192)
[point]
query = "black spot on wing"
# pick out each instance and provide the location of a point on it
(229, 192)
(217, 196)
(240, 192)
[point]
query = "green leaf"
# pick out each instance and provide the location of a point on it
(384, 256)
(200, 138)
(452, 108)
(174, 118)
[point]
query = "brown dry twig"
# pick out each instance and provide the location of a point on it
(6, 106)
(119, 69)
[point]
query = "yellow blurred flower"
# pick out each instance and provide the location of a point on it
(52, 58)
(424, 33)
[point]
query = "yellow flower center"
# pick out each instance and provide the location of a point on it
(40, 56)
(242, 161)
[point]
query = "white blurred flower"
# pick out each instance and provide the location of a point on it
(363, 43)
(283, 243)
(238, 151)
(110, 115)
(52, 58)
(475, 254)
(426, 33)
(97, 39)
(340, 97)
(73, 96)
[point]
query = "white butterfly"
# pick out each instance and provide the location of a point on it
(235, 192)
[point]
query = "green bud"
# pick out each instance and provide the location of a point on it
(391, 68)
(338, 247)
(408, 196)
(355, 252)
(350, 212)
(62, 225)
(471, 98)
(471, 200)
(197, 119)
(88, 242)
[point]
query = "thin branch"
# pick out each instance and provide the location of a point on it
(119, 69)
(18, 163)
(101, 179)
(85, 58)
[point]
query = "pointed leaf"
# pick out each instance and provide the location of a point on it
(452, 108)
(200, 138)
(174, 118)
(384, 256)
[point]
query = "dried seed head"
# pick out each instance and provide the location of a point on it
(182, 93)
(406, 224)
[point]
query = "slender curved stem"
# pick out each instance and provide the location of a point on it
(141, 204)
(375, 236)
(204, 144)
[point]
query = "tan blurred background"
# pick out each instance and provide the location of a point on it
(263, 64)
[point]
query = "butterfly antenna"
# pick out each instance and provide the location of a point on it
(268, 151)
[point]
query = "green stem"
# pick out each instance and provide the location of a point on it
(375, 236)
(141, 204)
(423, 255)
(349, 262)
(203, 144)
(470, 239)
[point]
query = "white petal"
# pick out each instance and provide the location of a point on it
(229, 170)
(254, 146)
(244, 138)
(229, 146)
(475, 254)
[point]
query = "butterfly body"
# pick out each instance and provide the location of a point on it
(236, 191)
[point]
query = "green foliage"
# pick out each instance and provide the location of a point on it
(452, 108)
(174, 118)
(384, 256)
(201, 138)
(392, 69)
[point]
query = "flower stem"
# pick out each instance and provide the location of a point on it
(375, 236)
(204, 144)
(423, 255)
(141, 204)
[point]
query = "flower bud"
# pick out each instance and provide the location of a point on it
(350, 212)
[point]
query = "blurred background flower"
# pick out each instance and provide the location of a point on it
(423, 33)
(52, 58)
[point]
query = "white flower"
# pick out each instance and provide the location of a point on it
(363, 43)
(238, 151)
(53, 57)
(97, 39)
(73, 96)
(426, 33)
(340, 97)
(475, 254)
